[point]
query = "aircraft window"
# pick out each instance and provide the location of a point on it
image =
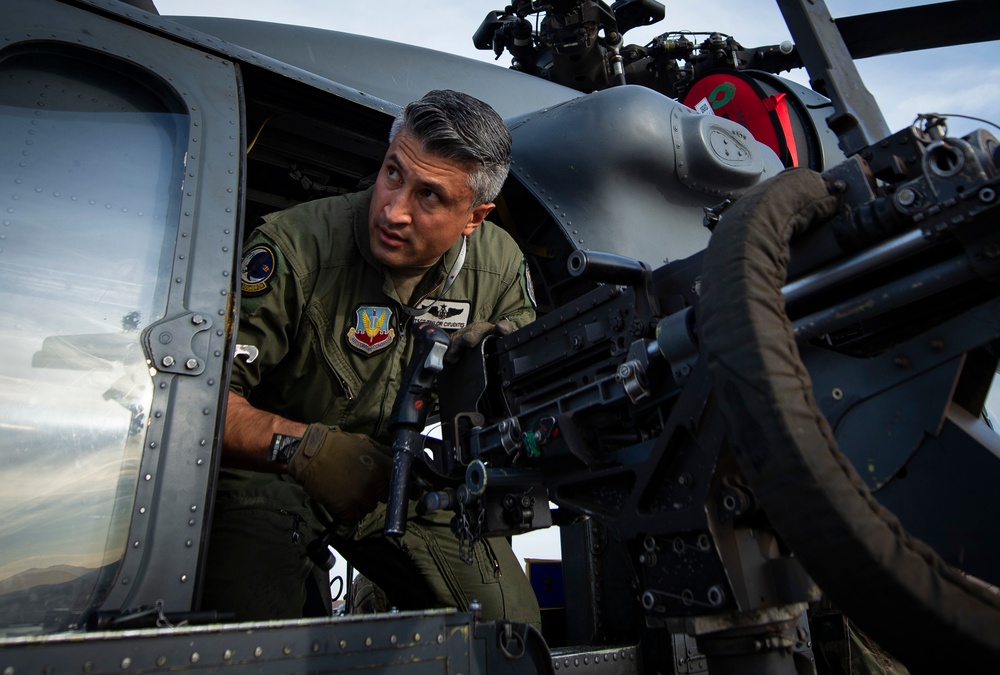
(91, 182)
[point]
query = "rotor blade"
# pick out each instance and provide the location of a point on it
(942, 24)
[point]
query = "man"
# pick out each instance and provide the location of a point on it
(330, 291)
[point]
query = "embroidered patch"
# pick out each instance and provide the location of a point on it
(529, 287)
(447, 314)
(372, 330)
(256, 270)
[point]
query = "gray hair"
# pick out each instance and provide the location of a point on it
(464, 129)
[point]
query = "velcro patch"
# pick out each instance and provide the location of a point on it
(256, 270)
(447, 314)
(372, 330)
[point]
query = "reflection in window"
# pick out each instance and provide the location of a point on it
(91, 164)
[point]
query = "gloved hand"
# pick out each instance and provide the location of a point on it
(473, 334)
(346, 473)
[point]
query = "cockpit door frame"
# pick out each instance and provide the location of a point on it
(189, 350)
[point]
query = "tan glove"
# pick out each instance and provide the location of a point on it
(470, 336)
(346, 473)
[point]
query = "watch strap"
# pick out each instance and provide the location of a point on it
(282, 448)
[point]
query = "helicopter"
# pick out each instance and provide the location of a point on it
(139, 151)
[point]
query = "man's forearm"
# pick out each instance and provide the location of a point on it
(248, 435)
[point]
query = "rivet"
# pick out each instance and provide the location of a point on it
(343, 644)
(368, 642)
(258, 652)
(161, 661)
(416, 637)
(227, 655)
(286, 650)
(195, 657)
(126, 662)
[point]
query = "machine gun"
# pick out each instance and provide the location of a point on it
(693, 413)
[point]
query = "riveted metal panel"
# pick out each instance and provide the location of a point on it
(192, 337)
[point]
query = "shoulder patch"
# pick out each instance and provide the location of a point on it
(372, 330)
(256, 270)
(529, 286)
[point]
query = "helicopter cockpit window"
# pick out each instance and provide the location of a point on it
(93, 162)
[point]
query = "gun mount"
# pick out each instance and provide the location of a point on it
(611, 408)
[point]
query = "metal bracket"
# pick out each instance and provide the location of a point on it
(857, 119)
(169, 344)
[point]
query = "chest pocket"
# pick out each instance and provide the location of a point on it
(327, 342)
(368, 381)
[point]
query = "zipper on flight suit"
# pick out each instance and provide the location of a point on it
(403, 323)
(348, 392)
(496, 563)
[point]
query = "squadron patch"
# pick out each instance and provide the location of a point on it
(447, 314)
(372, 330)
(256, 270)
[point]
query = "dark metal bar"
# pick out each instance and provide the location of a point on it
(857, 119)
(885, 298)
(942, 24)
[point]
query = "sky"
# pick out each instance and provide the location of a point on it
(963, 80)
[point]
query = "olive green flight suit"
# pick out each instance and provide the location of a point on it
(333, 343)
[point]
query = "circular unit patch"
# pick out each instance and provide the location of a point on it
(256, 270)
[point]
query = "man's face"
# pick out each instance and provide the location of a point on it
(422, 204)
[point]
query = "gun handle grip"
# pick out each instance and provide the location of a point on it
(399, 485)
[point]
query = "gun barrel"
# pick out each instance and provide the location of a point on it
(607, 268)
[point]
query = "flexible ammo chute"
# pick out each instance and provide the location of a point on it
(893, 586)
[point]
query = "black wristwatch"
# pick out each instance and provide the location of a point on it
(282, 448)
